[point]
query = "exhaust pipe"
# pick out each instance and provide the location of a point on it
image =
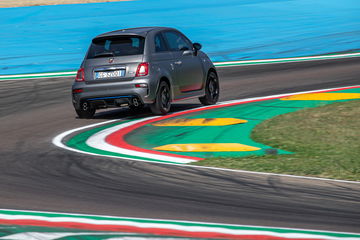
(85, 106)
(135, 102)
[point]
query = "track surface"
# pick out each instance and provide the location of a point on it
(35, 175)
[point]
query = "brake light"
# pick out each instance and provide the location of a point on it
(142, 69)
(79, 90)
(80, 76)
(141, 85)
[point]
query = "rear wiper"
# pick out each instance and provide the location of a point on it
(104, 54)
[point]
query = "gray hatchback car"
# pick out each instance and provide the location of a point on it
(143, 66)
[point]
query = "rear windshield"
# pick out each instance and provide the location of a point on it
(116, 46)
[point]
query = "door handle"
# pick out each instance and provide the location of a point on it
(178, 62)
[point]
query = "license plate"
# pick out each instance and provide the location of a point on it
(110, 74)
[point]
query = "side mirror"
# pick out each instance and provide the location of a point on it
(197, 47)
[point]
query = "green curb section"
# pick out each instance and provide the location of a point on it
(79, 142)
(150, 136)
(56, 218)
(33, 232)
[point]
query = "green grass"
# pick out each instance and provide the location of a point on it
(325, 142)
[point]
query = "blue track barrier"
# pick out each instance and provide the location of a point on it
(55, 38)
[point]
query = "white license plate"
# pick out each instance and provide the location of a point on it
(110, 74)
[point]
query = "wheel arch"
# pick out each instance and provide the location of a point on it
(212, 69)
(167, 80)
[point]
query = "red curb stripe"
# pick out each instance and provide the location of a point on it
(118, 138)
(156, 231)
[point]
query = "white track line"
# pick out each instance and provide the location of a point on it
(287, 60)
(32, 76)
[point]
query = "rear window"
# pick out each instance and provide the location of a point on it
(116, 46)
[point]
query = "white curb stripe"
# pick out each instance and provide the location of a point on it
(117, 218)
(57, 141)
(53, 235)
(172, 226)
(98, 141)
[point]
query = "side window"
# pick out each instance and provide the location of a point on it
(177, 42)
(159, 43)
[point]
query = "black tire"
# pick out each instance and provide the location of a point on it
(212, 89)
(162, 103)
(86, 111)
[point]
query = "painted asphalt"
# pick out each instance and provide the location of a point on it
(55, 38)
(25, 225)
(180, 144)
(36, 175)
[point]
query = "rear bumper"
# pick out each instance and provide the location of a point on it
(103, 95)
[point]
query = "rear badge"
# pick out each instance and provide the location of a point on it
(111, 60)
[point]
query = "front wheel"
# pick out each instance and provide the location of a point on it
(212, 90)
(162, 103)
(86, 111)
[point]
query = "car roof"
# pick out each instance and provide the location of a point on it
(139, 31)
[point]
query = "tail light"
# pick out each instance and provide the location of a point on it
(79, 90)
(142, 69)
(80, 76)
(141, 85)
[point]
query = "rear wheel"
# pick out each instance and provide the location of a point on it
(212, 90)
(162, 102)
(86, 111)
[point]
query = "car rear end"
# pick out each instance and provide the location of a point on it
(113, 73)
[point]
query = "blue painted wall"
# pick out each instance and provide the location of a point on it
(55, 38)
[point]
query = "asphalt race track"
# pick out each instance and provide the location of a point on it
(35, 175)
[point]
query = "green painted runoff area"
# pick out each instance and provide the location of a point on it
(150, 136)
